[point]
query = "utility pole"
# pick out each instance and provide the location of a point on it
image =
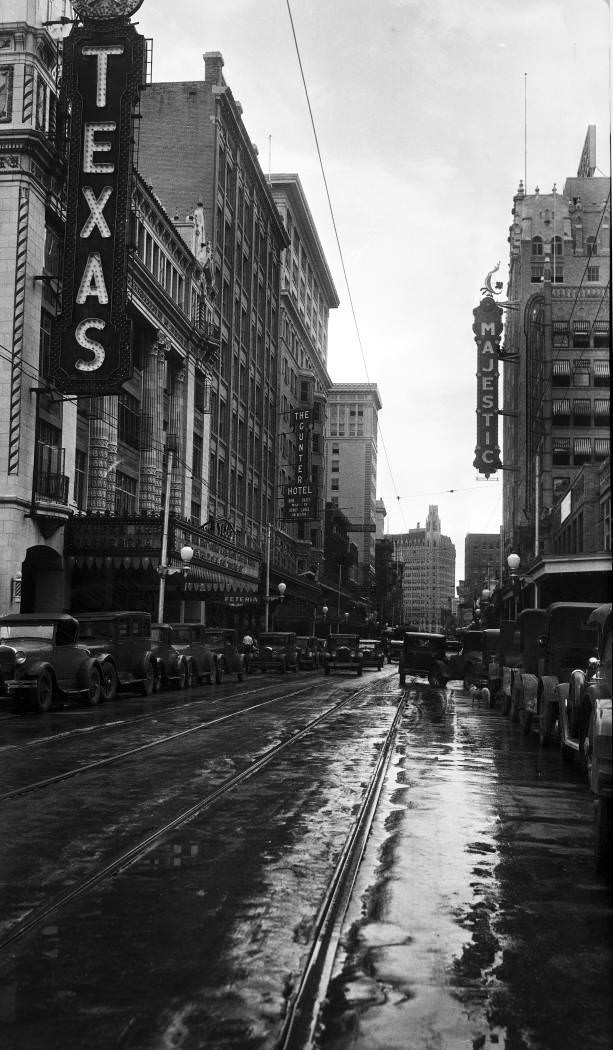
(163, 567)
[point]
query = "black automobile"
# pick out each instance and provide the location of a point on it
(342, 653)
(372, 653)
(423, 655)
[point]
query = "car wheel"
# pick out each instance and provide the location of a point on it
(208, 677)
(148, 682)
(110, 681)
(546, 721)
(158, 679)
(181, 676)
(219, 672)
(94, 694)
(403, 679)
(44, 691)
(190, 679)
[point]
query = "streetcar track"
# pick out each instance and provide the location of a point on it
(131, 855)
(100, 763)
(301, 1019)
(151, 716)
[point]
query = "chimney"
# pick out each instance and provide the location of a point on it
(213, 65)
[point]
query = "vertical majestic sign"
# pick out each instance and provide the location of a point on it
(487, 328)
(101, 78)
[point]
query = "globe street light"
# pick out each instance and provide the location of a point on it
(513, 561)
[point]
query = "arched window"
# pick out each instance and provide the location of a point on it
(537, 245)
(557, 246)
(591, 246)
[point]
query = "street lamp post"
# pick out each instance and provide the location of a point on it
(513, 561)
(164, 570)
(281, 587)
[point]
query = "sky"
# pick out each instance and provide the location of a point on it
(419, 107)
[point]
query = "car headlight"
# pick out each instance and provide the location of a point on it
(20, 657)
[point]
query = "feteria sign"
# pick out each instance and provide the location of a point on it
(102, 74)
(487, 329)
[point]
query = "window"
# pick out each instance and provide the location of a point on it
(561, 452)
(334, 484)
(561, 412)
(197, 458)
(128, 419)
(606, 522)
(46, 322)
(601, 373)
(125, 495)
(537, 246)
(591, 246)
(601, 412)
(593, 273)
(582, 450)
(195, 512)
(335, 466)
(6, 94)
(536, 273)
(582, 412)
(581, 335)
(561, 373)
(80, 479)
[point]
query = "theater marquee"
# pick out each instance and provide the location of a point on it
(103, 70)
(488, 329)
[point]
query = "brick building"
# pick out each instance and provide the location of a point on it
(481, 562)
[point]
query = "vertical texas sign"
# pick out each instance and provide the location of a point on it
(102, 75)
(488, 329)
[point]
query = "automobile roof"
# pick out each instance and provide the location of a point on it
(34, 618)
(91, 615)
(424, 634)
(601, 614)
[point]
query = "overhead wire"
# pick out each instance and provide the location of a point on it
(338, 241)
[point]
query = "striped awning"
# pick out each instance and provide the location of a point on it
(560, 326)
(561, 368)
(601, 406)
(602, 327)
(581, 407)
(561, 444)
(581, 326)
(582, 446)
(561, 406)
(601, 447)
(202, 578)
(601, 369)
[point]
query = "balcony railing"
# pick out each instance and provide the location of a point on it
(52, 487)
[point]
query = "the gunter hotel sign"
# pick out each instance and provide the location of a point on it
(103, 70)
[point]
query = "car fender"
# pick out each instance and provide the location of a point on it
(547, 690)
(84, 671)
(601, 775)
(36, 669)
(529, 692)
(148, 660)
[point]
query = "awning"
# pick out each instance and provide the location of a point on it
(581, 407)
(581, 326)
(561, 444)
(582, 446)
(601, 406)
(601, 447)
(105, 561)
(561, 406)
(561, 368)
(602, 327)
(601, 369)
(202, 578)
(560, 326)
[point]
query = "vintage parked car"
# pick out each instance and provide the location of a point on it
(189, 640)
(310, 652)
(121, 641)
(578, 697)
(223, 642)
(372, 653)
(41, 660)
(596, 698)
(554, 646)
(508, 658)
(342, 653)
(423, 654)
(172, 666)
(278, 651)
(479, 650)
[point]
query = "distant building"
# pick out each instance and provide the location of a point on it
(428, 578)
(352, 466)
(481, 562)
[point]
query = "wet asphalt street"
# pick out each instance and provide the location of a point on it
(476, 920)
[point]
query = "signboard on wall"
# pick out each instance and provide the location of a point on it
(103, 70)
(299, 499)
(488, 329)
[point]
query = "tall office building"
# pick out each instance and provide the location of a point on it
(201, 123)
(557, 383)
(428, 577)
(307, 296)
(481, 562)
(352, 467)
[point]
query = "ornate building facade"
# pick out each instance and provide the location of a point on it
(428, 574)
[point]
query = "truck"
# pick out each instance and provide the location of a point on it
(553, 642)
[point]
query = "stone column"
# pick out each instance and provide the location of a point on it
(98, 456)
(176, 441)
(111, 407)
(151, 433)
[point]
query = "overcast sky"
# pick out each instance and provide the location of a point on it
(419, 108)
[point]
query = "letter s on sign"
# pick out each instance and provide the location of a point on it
(84, 340)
